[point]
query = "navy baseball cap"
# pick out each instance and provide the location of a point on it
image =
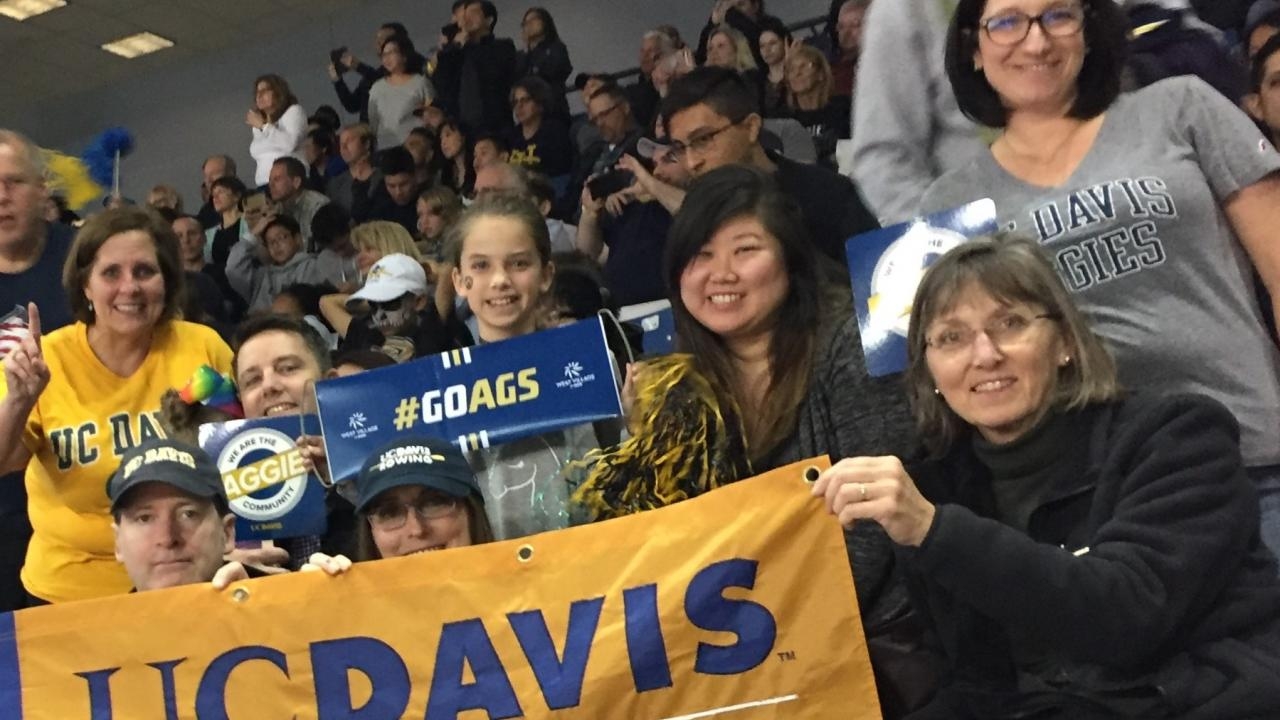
(173, 462)
(426, 461)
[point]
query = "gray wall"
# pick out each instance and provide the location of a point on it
(195, 108)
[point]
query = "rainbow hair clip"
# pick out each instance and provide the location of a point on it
(212, 389)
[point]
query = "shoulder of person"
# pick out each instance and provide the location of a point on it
(59, 237)
(1140, 416)
(187, 336)
(68, 335)
(952, 189)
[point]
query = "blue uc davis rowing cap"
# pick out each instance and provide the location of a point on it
(418, 460)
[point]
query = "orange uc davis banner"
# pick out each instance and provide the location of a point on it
(736, 605)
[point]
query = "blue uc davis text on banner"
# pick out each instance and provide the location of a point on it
(468, 672)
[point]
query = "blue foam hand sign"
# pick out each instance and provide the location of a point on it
(268, 488)
(885, 267)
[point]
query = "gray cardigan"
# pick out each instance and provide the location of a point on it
(847, 413)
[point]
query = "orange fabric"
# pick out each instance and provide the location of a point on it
(775, 536)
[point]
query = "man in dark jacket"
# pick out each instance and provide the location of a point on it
(713, 119)
(474, 72)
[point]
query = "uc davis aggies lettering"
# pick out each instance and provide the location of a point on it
(1085, 261)
(80, 444)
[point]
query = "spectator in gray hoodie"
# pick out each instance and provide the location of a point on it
(907, 128)
(259, 270)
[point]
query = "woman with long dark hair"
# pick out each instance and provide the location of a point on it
(769, 333)
(455, 148)
(545, 56)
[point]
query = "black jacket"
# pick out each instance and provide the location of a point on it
(474, 83)
(548, 60)
(831, 203)
(1142, 586)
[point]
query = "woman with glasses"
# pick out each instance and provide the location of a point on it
(1157, 205)
(394, 98)
(413, 495)
(1082, 553)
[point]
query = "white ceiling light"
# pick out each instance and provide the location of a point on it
(137, 45)
(22, 9)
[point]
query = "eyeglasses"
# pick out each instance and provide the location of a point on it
(522, 99)
(595, 119)
(698, 143)
(1012, 28)
(1003, 332)
(426, 507)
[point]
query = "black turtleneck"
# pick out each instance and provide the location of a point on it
(1051, 454)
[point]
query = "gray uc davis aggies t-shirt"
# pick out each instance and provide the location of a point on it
(1139, 236)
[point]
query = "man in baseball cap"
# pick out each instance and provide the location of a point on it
(171, 520)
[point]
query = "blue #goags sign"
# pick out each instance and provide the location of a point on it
(885, 267)
(475, 397)
(269, 490)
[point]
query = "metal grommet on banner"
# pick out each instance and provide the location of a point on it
(240, 594)
(525, 553)
(811, 474)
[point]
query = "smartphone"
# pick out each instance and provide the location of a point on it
(606, 184)
(450, 30)
(335, 57)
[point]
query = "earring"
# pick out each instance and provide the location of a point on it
(936, 391)
(1066, 360)
(91, 306)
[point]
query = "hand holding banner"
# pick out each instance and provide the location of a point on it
(738, 603)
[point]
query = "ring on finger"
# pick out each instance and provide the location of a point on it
(862, 492)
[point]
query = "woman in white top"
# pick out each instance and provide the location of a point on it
(279, 125)
(393, 99)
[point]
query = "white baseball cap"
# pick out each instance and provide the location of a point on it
(389, 278)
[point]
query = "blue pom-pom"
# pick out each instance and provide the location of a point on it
(117, 138)
(100, 155)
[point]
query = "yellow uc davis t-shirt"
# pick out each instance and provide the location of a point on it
(83, 422)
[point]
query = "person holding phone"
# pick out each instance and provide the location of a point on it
(343, 61)
(393, 99)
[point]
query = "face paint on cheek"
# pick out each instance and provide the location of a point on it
(467, 282)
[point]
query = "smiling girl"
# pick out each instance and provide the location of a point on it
(502, 268)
